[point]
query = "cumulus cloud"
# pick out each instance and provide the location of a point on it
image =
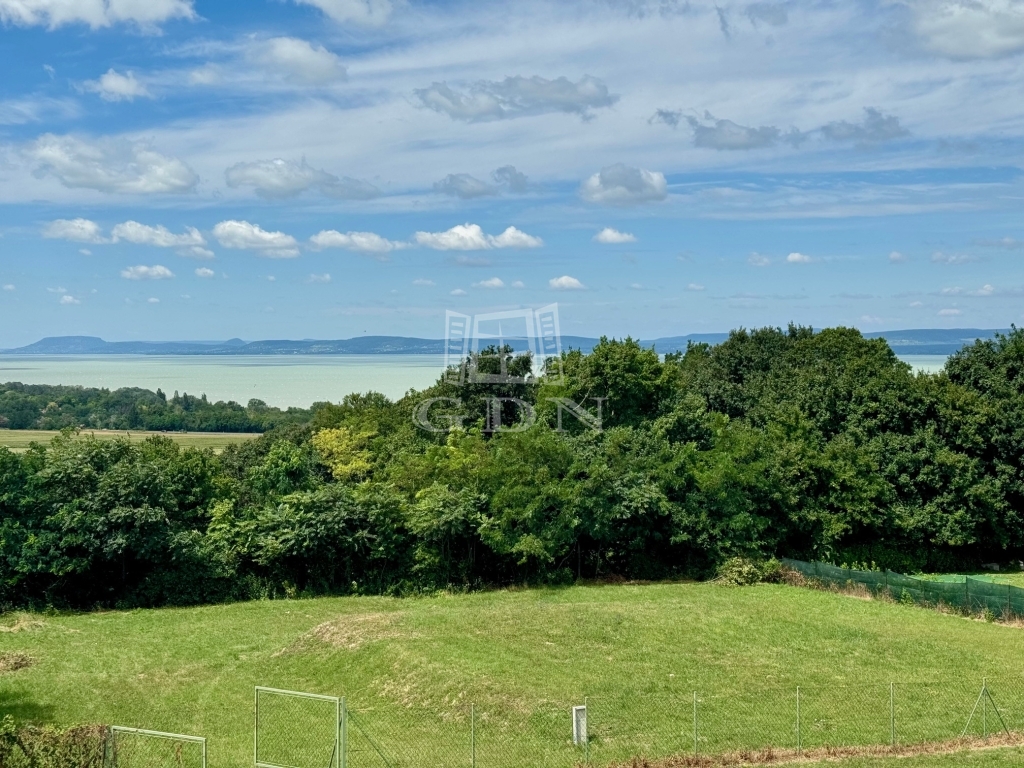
(494, 282)
(623, 185)
(363, 242)
(757, 260)
(695, 287)
(952, 258)
(799, 258)
(518, 284)
(76, 230)
(114, 86)
(875, 128)
(190, 243)
(951, 312)
(1008, 243)
(245, 236)
(458, 292)
(324, 278)
(713, 133)
(897, 258)
(565, 283)
(517, 97)
(146, 14)
(297, 60)
(422, 281)
(277, 179)
(968, 29)
(465, 186)
(370, 13)
(153, 300)
(142, 272)
(508, 177)
(470, 237)
(204, 272)
(109, 165)
(9, 287)
(610, 236)
(69, 299)
(669, 117)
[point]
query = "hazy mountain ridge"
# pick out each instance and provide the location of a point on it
(921, 341)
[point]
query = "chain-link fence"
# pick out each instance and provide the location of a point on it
(970, 595)
(295, 730)
(138, 748)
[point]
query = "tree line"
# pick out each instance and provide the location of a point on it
(812, 445)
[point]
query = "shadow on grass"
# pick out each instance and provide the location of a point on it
(22, 707)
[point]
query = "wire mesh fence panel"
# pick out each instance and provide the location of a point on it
(844, 716)
(135, 748)
(1007, 696)
(639, 725)
(296, 730)
(535, 733)
(408, 737)
(929, 712)
(731, 722)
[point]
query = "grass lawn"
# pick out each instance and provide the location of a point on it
(410, 668)
(19, 439)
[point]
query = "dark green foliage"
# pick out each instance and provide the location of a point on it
(775, 443)
(38, 406)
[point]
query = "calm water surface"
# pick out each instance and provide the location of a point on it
(285, 380)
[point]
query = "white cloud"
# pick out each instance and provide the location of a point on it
(422, 281)
(518, 284)
(363, 242)
(636, 286)
(470, 237)
(514, 238)
(494, 282)
(109, 165)
(799, 258)
(161, 237)
(757, 260)
(366, 12)
(245, 236)
(204, 272)
(297, 60)
(951, 258)
(146, 14)
(517, 97)
(949, 312)
(85, 251)
(277, 178)
(458, 292)
(917, 303)
(968, 29)
(153, 300)
(9, 287)
(142, 272)
(725, 134)
(465, 186)
(69, 299)
(611, 236)
(622, 185)
(985, 290)
(113, 86)
(565, 283)
(896, 257)
(324, 278)
(59, 289)
(76, 230)
(695, 287)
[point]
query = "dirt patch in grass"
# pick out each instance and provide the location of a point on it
(769, 756)
(14, 660)
(349, 632)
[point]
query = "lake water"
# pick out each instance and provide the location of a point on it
(282, 381)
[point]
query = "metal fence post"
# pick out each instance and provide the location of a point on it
(892, 713)
(694, 723)
(256, 731)
(343, 736)
(799, 744)
(472, 733)
(984, 707)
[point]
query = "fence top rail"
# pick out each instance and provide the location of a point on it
(159, 734)
(299, 694)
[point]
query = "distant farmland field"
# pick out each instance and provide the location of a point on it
(429, 679)
(19, 439)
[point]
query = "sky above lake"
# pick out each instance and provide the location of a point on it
(179, 169)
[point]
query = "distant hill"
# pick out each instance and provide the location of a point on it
(923, 341)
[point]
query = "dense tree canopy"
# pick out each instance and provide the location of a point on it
(814, 445)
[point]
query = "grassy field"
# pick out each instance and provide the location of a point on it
(20, 439)
(410, 668)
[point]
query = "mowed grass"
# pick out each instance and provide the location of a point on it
(19, 440)
(410, 668)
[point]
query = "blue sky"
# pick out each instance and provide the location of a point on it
(179, 169)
